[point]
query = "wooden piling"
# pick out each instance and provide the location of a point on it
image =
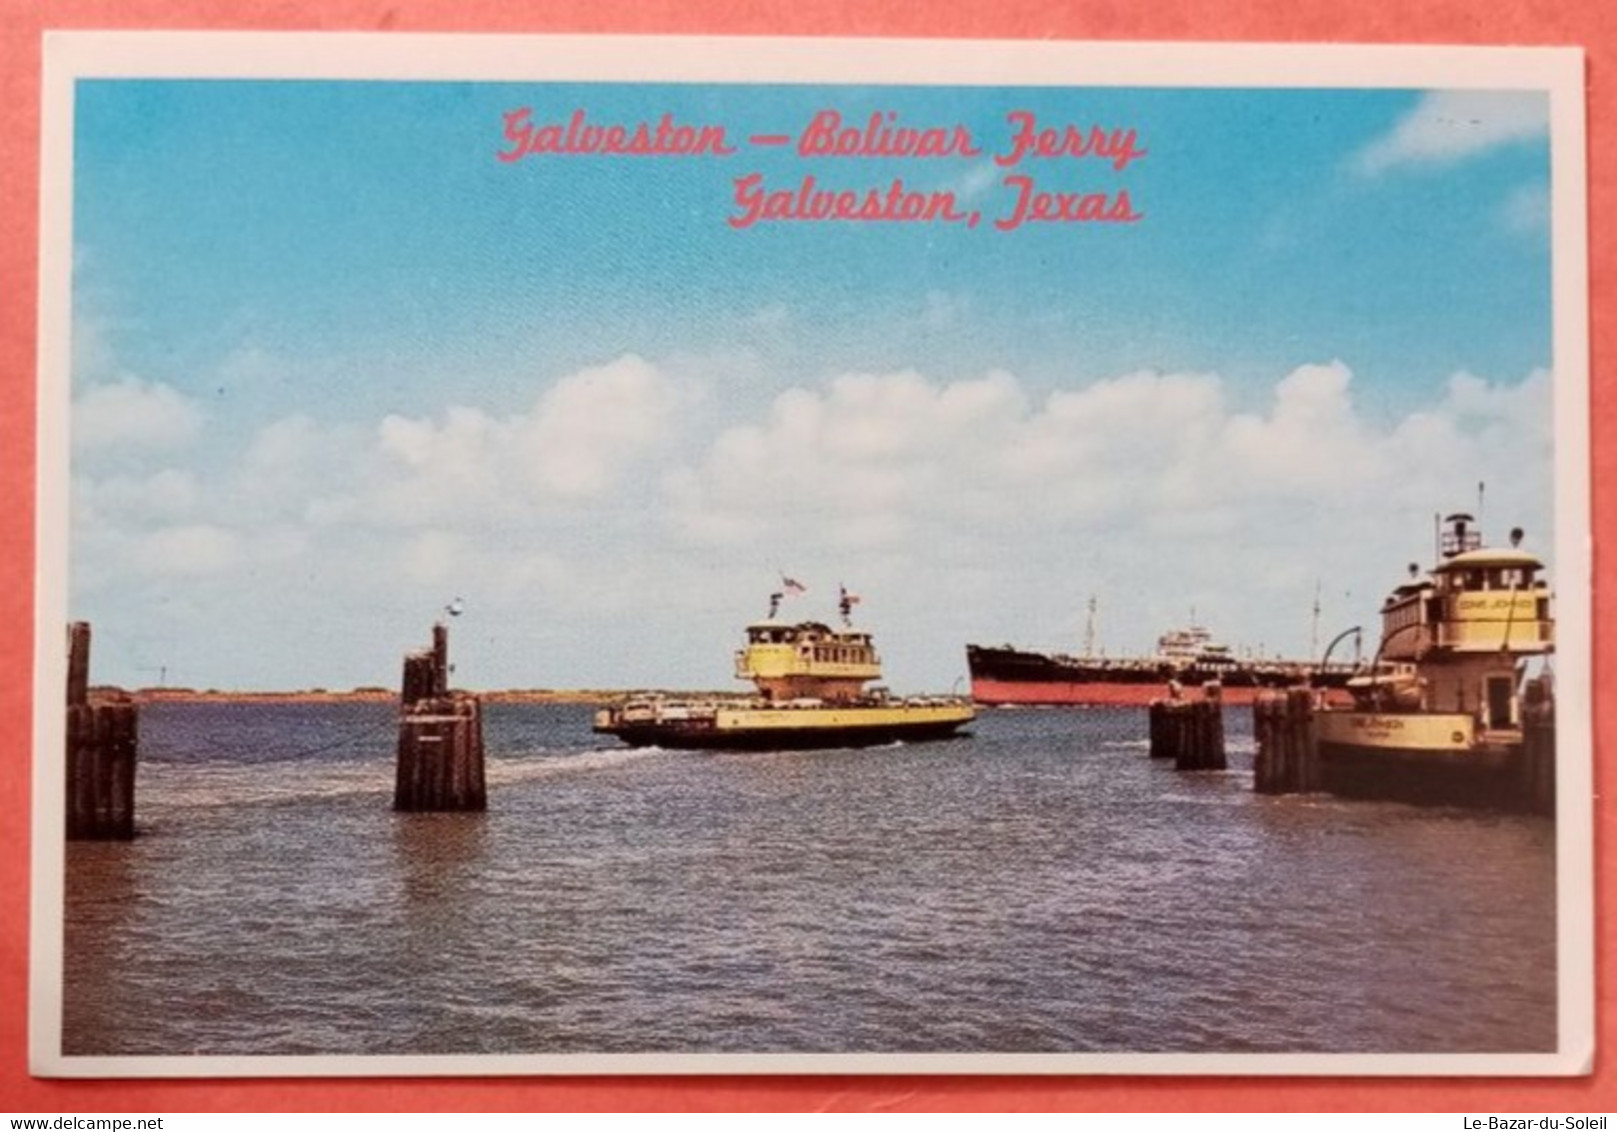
(440, 659)
(103, 740)
(1159, 717)
(440, 753)
(1287, 761)
(78, 663)
(1191, 732)
(1538, 748)
(1267, 772)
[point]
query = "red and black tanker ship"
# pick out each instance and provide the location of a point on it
(1003, 676)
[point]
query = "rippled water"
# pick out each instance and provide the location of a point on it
(1040, 886)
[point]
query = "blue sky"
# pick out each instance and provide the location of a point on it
(335, 364)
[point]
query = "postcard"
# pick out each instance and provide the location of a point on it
(645, 555)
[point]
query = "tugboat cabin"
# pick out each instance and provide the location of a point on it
(1455, 641)
(1476, 600)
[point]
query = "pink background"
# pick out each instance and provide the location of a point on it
(1591, 24)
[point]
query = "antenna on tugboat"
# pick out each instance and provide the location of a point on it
(1313, 638)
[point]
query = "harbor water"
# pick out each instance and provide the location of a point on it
(1039, 886)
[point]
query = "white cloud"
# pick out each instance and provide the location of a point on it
(1448, 126)
(164, 495)
(944, 311)
(191, 549)
(1310, 439)
(972, 472)
(94, 358)
(977, 180)
(1527, 210)
(589, 427)
(131, 415)
(581, 442)
(434, 556)
(960, 509)
(850, 464)
(871, 458)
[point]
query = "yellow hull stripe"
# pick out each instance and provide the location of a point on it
(783, 719)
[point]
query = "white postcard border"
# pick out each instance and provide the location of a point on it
(70, 56)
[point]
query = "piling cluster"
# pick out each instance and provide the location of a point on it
(1287, 761)
(103, 737)
(440, 759)
(1191, 732)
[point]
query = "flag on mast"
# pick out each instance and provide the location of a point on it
(792, 585)
(845, 602)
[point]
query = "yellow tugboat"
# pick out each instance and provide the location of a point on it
(810, 681)
(1439, 716)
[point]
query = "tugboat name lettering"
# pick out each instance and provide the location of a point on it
(1377, 724)
(1503, 601)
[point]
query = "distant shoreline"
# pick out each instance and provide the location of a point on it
(357, 696)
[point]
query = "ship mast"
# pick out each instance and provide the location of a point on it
(1089, 629)
(1313, 639)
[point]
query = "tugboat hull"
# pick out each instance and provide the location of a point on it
(1489, 777)
(1424, 758)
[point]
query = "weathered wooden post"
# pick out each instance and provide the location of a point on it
(1268, 765)
(1160, 715)
(103, 739)
(78, 663)
(440, 659)
(1191, 732)
(1538, 747)
(1208, 753)
(1309, 775)
(1287, 761)
(440, 757)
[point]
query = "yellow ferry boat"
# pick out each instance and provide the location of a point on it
(810, 680)
(1439, 716)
